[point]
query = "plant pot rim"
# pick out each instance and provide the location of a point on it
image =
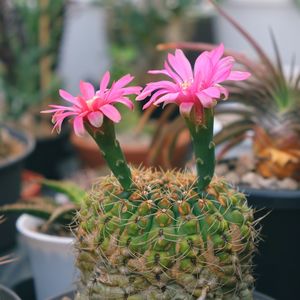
(273, 199)
(26, 224)
(9, 292)
(26, 138)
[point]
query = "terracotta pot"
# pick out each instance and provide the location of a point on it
(30, 184)
(90, 155)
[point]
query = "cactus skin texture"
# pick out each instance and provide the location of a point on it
(163, 241)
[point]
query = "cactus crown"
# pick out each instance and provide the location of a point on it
(163, 241)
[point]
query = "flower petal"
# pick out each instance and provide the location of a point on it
(126, 101)
(216, 54)
(212, 92)
(95, 118)
(78, 126)
(185, 108)
(67, 96)
(183, 65)
(170, 97)
(87, 90)
(238, 75)
(205, 100)
(203, 69)
(105, 81)
(111, 112)
(123, 81)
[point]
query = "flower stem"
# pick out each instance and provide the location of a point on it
(204, 148)
(105, 137)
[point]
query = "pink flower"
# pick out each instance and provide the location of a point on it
(198, 88)
(93, 106)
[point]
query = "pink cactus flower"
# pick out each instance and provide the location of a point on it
(198, 88)
(92, 106)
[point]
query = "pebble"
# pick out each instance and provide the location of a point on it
(232, 177)
(288, 183)
(221, 169)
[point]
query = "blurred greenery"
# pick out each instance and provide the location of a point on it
(134, 28)
(21, 52)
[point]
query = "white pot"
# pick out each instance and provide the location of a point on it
(52, 258)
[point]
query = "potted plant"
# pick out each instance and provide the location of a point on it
(45, 227)
(31, 33)
(268, 112)
(148, 233)
(15, 146)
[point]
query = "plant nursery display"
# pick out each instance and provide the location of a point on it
(152, 234)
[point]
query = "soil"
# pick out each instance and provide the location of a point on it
(241, 171)
(10, 147)
(56, 230)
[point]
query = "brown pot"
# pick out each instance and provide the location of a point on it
(90, 155)
(31, 187)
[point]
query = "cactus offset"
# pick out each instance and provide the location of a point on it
(163, 241)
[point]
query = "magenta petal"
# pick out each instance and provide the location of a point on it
(171, 97)
(111, 112)
(126, 102)
(237, 75)
(182, 65)
(87, 90)
(212, 92)
(67, 96)
(216, 54)
(105, 81)
(203, 68)
(123, 81)
(78, 126)
(95, 118)
(205, 100)
(185, 108)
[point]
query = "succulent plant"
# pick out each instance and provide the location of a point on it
(269, 108)
(152, 234)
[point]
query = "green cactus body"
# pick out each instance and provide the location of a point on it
(162, 241)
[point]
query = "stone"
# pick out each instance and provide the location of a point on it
(288, 184)
(222, 169)
(233, 177)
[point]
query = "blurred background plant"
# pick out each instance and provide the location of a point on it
(135, 27)
(30, 37)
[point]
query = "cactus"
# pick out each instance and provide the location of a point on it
(148, 234)
(163, 241)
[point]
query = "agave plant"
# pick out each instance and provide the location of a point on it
(269, 108)
(47, 208)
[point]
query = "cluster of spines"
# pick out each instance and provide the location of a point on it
(165, 235)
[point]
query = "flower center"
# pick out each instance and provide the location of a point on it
(186, 84)
(90, 102)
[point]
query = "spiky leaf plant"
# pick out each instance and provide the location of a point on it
(148, 234)
(270, 108)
